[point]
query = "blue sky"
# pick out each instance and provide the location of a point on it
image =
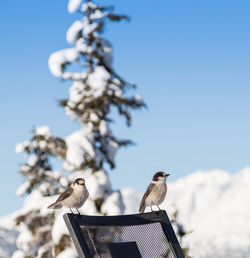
(190, 60)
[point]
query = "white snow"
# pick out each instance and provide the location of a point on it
(24, 237)
(20, 147)
(25, 167)
(18, 254)
(103, 128)
(44, 187)
(23, 188)
(85, 6)
(89, 28)
(73, 32)
(58, 59)
(81, 45)
(7, 242)
(56, 174)
(94, 117)
(68, 166)
(113, 204)
(59, 228)
(42, 145)
(76, 91)
(131, 199)
(89, 208)
(98, 80)
(97, 15)
(73, 5)
(79, 143)
(36, 200)
(33, 160)
(74, 76)
(220, 199)
(43, 130)
(80, 147)
(64, 181)
(138, 99)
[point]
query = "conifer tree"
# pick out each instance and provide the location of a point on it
(96, 90)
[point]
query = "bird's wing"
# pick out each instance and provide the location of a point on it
(146, 195)
(65, 194)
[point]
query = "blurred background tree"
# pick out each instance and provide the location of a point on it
(95, 92)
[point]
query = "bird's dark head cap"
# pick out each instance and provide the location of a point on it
(159, 174)
(79, 181)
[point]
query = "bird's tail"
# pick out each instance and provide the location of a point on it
(55, 205)
(142, 208)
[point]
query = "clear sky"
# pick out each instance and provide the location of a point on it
(190, 60)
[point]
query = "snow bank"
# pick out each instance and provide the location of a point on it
(214, 204)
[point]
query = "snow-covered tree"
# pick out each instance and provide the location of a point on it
(95, 91)
(180, 230)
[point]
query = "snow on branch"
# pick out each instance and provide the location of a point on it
(58, 60)
(73, 5)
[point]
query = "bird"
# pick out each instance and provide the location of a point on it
(156, 192)
(74, 196)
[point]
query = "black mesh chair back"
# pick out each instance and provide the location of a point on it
(145, 235)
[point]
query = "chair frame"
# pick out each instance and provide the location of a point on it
(74, 223)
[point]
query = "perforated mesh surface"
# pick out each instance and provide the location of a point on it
(150, 239)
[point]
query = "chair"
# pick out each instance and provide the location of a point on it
(144, 235)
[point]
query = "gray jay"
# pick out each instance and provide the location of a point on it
(155, 193)
(73, 197)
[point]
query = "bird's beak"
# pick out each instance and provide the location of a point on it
(167, 175)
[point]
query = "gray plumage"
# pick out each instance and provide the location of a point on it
(73, 197)
(156, 191)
